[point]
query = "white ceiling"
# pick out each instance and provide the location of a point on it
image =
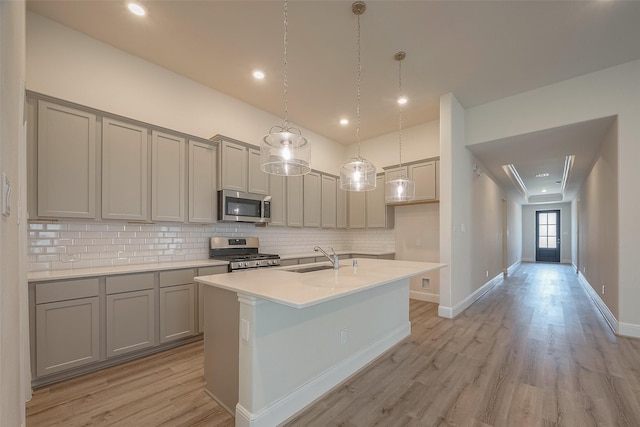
(479, 50)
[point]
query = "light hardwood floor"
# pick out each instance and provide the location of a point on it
(532, 352)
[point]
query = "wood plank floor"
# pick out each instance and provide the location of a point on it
(532, 352)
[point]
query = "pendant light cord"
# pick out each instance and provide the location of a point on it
(286, 77)
(358, 95)
(400, 115)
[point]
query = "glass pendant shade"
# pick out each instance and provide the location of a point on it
(400, 189)
(357, 174)
(284, 151)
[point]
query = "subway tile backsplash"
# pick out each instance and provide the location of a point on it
(64, 245)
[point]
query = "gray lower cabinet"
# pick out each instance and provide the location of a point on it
(67, 325)
(130, 313)
(177, 305)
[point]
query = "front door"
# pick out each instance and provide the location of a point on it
(548, 236)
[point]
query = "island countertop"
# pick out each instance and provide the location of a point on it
(301, 290)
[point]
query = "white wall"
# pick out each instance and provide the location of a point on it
(13, 304)
(609, 92)
(529, 230)
(418, 239)
(597, 215)
(418, 142)
(66, 64)
(514, 233)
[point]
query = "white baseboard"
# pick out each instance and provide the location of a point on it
(451, 312)
(528, 260)
(291, 404)
(602, 307)
(629, 330)
(424, 296)
(513, 267)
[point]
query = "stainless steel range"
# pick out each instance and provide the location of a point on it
(242, 253)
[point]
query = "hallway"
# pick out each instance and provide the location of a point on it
(533, 351)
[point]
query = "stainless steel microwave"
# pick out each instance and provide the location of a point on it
(235, 206)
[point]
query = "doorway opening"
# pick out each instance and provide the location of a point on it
(548, 236)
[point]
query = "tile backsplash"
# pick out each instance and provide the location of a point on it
(64, 245)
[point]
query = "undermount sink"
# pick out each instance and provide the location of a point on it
(312, 268)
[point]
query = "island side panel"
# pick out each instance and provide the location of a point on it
(221, 345)
(290, 356)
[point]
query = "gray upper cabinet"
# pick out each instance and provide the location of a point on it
(312, 209)
(125, 153)
(233, 166)
(278, 187)
(341, 207)
(357, 209)
(379, 215)
(240, 167)
(66, 168)
(294, 201)
(168, 177)
(202, 182)
(424, 175)
(329, 209)
(257, 181)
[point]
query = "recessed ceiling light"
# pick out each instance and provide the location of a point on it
(542, 175)
(402, 100)
(344, 122)
(136, 9)
(257, 74)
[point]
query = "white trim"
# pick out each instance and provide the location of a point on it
(424, 296)
(602, 307)
(629, 330)
(513, 267)
(291, 404)
(451, 312)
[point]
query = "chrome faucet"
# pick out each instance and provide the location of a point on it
(334, 259)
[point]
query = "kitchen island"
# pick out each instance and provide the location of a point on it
(276, 339)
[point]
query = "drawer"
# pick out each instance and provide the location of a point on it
(129, 282)
(66, 290)
(208, 271)
(176, 277)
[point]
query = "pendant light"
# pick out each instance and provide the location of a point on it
(401, 188)
(284, 151)
(358, 174)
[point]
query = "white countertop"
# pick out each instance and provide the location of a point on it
(300, 290)
(75, 273)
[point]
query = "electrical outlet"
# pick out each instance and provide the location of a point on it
(487, 273)
(602, 289)
(426, 283)
(343, 336)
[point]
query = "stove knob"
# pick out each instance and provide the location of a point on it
(241, 264)
(271, 262)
